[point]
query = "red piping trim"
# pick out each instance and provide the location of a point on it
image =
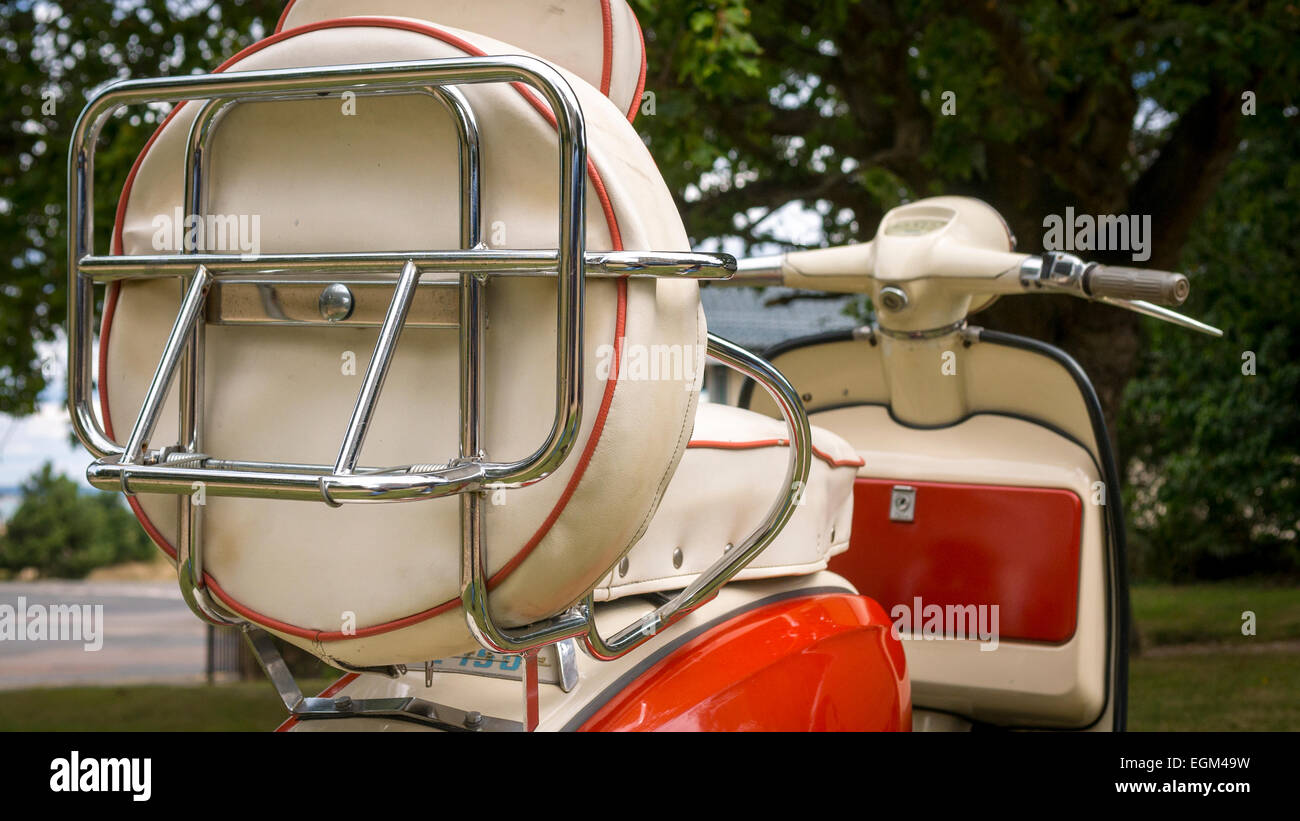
(640, 81)
(344, 681)
(709, 444)
(616, 239)
(284, 15)
(607, 58)
(372, 22)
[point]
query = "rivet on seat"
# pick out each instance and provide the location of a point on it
(622, 567)
(677, 557)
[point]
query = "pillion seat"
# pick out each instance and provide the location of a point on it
(374, 584)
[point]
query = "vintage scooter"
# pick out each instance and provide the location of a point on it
(597, 549)
(989, 496)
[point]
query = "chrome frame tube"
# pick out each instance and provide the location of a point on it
(181, 338)
(268, 84)
(567, 262)
(273, 483)
(706, 585)
(486, 261)
(189, 514)
(580, 621)
(377, 371)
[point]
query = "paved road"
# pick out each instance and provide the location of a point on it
(149, 635)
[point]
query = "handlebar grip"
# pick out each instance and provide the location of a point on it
(1160, 287)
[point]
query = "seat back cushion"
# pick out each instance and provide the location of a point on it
(378, 584)
(598, 40)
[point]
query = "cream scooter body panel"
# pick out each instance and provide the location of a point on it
(1016, 418)
(1004, 433)
(923, 397)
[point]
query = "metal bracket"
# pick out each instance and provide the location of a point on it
(417, 710)
(557, 664)
(902, 503)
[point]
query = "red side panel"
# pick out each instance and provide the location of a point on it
(1016, 547)
(821, 662)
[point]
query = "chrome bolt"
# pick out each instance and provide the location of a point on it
(336, 302)
(893, 299)
(343, 704)
(473, 719)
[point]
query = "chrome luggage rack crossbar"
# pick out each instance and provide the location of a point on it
(133, 468)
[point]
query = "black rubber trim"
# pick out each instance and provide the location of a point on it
(1118, 570)
(622, 682)
(1117, 640)
(747, 389)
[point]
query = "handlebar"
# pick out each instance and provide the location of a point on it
(1116, 282)
(940, 256)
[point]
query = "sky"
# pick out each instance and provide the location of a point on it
(28, 442)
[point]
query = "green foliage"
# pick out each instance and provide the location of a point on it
(820, 101)
(1215, 473)
(65, 533)
(59, 56)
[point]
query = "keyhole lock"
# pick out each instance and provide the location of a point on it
(902, 503)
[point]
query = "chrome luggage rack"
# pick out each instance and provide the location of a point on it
(175, 469)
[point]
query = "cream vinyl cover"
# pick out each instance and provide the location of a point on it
(385, 179)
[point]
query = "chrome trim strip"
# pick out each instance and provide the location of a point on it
(929, 333)
(487, 261)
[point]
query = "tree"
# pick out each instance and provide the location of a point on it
(1109, 107)
(1213, 427)
(54, 57)
(65, 533)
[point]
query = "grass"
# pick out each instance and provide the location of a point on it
(1181, 614)
(1232, 689)
(1203, 691)
(1255, 691)
(250, 706)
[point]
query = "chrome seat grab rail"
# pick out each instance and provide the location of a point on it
(580, 621)
(174, 470)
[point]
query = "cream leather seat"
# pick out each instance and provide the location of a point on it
(598, 40)
(378, 584)
(723, 487)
